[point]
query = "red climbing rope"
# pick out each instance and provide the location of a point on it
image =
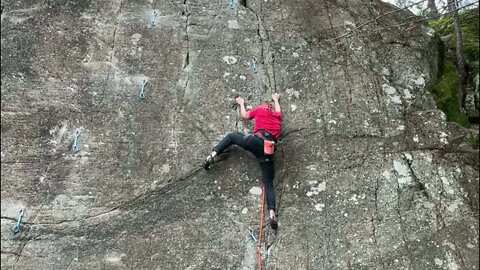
(259, 247)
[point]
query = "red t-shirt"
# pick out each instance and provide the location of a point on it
(268, 120)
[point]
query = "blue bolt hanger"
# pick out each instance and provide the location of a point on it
(231, 4)
(75, 142)
(142, 91)
(254, 65)
(16, 229)
(154, 18)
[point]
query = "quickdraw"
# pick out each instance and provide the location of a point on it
(254, 65)
(16, 229)
(75, 142)
(154, 18)
(142, 90)
(252, 235)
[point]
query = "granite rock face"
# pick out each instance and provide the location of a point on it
(369, 174)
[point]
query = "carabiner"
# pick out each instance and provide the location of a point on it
(254, 65)
(75, 142)
(252, 235)
(16, 229)
(142, 91)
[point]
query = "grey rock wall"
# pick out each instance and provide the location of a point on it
(369, 175)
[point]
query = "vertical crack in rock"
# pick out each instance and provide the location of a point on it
(148, 250)
(400, 221)
(419, 186)
(266, 55)
(186, 13)
(21, 250)
(459, 253)
(174, 135)
(186, 85)
(329, 18)
(470, 201)
(70, 263)
(440, 208)
(377, 120)
(348, 79)
(282, 17)
(330, 233)
(112, 53)
(307, 259)
(380, 97)
(375, 220)
(324, 99)
(150, 171)
(186, 65)
(187, 59)
(381, 105)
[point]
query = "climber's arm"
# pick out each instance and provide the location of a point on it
(275, 98)
(243, 111)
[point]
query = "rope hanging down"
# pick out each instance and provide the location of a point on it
(260, 231)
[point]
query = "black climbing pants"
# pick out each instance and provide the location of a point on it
(253, 144)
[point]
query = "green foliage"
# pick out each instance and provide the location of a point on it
(469, 22)
(474, 141)
(443, 26)
(447, 86)
(471, 32)
(446, 94)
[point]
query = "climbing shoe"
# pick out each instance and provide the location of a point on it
(208, 162)
(273, 223)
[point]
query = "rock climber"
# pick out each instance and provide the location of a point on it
(266, 132)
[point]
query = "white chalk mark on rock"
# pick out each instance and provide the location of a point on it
(233, 24)
(256, 191)
(230, 60)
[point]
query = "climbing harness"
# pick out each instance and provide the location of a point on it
(75, 142)
(16, 229)
(259, 246)
(142, 90)
(254, 65)
(154, 18)
(231, 4)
